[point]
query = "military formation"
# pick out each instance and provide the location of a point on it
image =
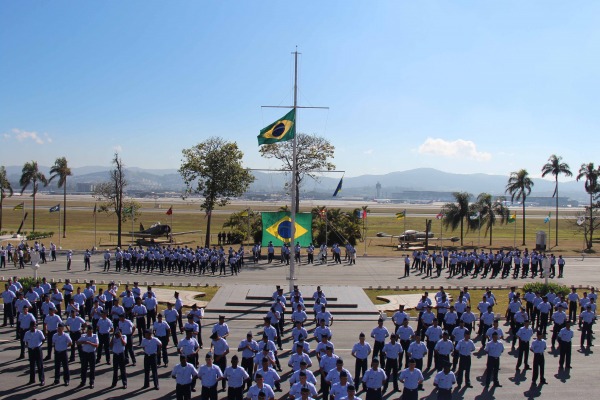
(120, 325)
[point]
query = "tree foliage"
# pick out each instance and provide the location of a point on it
(555, 167)
(590, 174)
(490, 213)
(455, 213)
(313, 153)
(31, 175)
(519, 187)
(111, 193)
(213, 169)
(61, 170)
(245, 224)
(6, 190)
(341, 227)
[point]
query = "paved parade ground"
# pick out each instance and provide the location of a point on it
(368, 272)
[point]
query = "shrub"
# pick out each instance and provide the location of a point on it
(28, 282)
(544, 289)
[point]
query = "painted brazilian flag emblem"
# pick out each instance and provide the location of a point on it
(281, 130)
(277, 228)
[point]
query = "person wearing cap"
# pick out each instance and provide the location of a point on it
(105, 328)
(271, 333)
(412, 379)
(118, 344)
(161, 332)
(273, 315)
(74, 325)
(220, 348)
(524, 334)
(197, 314)
(189, 348)
(184, 374)
(360, 351)
(298, 331)
(404, 334)
(236, 377)
(379, 333)
(326, 364)
(210, 375)
(495, 328)
(297, 357)
(151, 303)
(299, 315)
(139, 313)
(24, 322)
(264, 354)
(457, 334)
(271, 377)
(302, 384)
(565, 338)
(538, 347)
(89, 344)
(586, 319)
(221, 328)
(34, 339)
(559, 317)
(373, 381)
(485, 324)
(322, 330)
(443, 381)
(171, 316)
(519, 321)
(393, 354)
(334, 375)
(260, 390)
(127, 329)
(310, 377)
(399, 317)
(464, 348)
(434, 335)
(494, 350)
(249, 349)
(426, 318)
(151, 346)
(321, 348)
(50, 327)
(62, 342)
(326, 315)
(442, 349)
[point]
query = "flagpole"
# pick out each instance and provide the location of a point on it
(294, 173)
(515, 233)
(95, 212)
(59, 211)
(365, 230)
(405, 221)
(549, 230)
(441, 241)
(326, 226)
(479, 234)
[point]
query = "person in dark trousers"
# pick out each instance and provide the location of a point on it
(34, 339)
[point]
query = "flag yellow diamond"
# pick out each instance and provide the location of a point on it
(282, 229)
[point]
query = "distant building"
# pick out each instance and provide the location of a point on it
(378, 187)
(422, 195)
(84, 187)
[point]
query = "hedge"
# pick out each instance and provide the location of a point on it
(544, 289)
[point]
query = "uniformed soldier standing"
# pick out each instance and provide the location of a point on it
(184, 374)
(565, 337)
(210, 375)
(127, 329)
(249, 348)
(34, 339)
(162, 332)
(151, 346)
(465, 348)
(373, 381)
(443, 381)
(538, 347)
(118, 345)
(494, 349)
(236, 377)
(62, 342)
(89, 344)
(412, 378)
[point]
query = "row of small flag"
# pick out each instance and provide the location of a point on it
(56, 208)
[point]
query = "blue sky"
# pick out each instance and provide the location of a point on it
(462, 86)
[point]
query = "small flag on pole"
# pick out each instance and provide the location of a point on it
(19, 206)
(55, 208)
(580, 220)
(547, 219)
(475, 216)
(401, 214)
(364, 214)
(512, 218)
(169, 211)
(339, 187)
(244, 213)
(439, 216)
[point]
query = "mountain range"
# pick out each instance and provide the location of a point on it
(419, 179)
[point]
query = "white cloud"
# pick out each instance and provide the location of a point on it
(22, 135)
(118, 148)
(454, 149)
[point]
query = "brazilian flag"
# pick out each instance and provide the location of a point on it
(281, 130)
(277, 228)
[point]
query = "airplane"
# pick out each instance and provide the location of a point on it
(157, 230)
(382, 201)
(416, 236)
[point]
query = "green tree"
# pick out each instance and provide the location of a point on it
(245, 224)
(455, 213)
(112, 194)
(590, 174)
(555, 167)
(342, 226)
(6, 190)
(61, 170)
(31, 175)
(312, 154)
(519, 187)
(491, 213)
(214, 170)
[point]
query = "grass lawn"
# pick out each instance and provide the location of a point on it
(476, 295)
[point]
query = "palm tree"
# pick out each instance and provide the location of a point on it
(61, 170)
(591, 174)
(4, 187)
(31, 175)
(519, 187)
(556, 168)
(455, 213)
(490, 212)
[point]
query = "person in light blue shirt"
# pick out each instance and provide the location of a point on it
(373, 381)
(34, 339)
(50, 327)
(494, 349)
(89, 344)
(443, 381)
(565, 338)
(184, 374)
(524, 334)
(162, 332)
(127, 329)
(118, 344)
(62, 342)
(209, 374)
(25, 321)
(151, 347)
(105, 328)
(261, 390)
(236, 377)
(150, 302)
(412, 378)
(538, 347)
(171, 317)
(464, 349)
(8, 296)
(249, 349)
